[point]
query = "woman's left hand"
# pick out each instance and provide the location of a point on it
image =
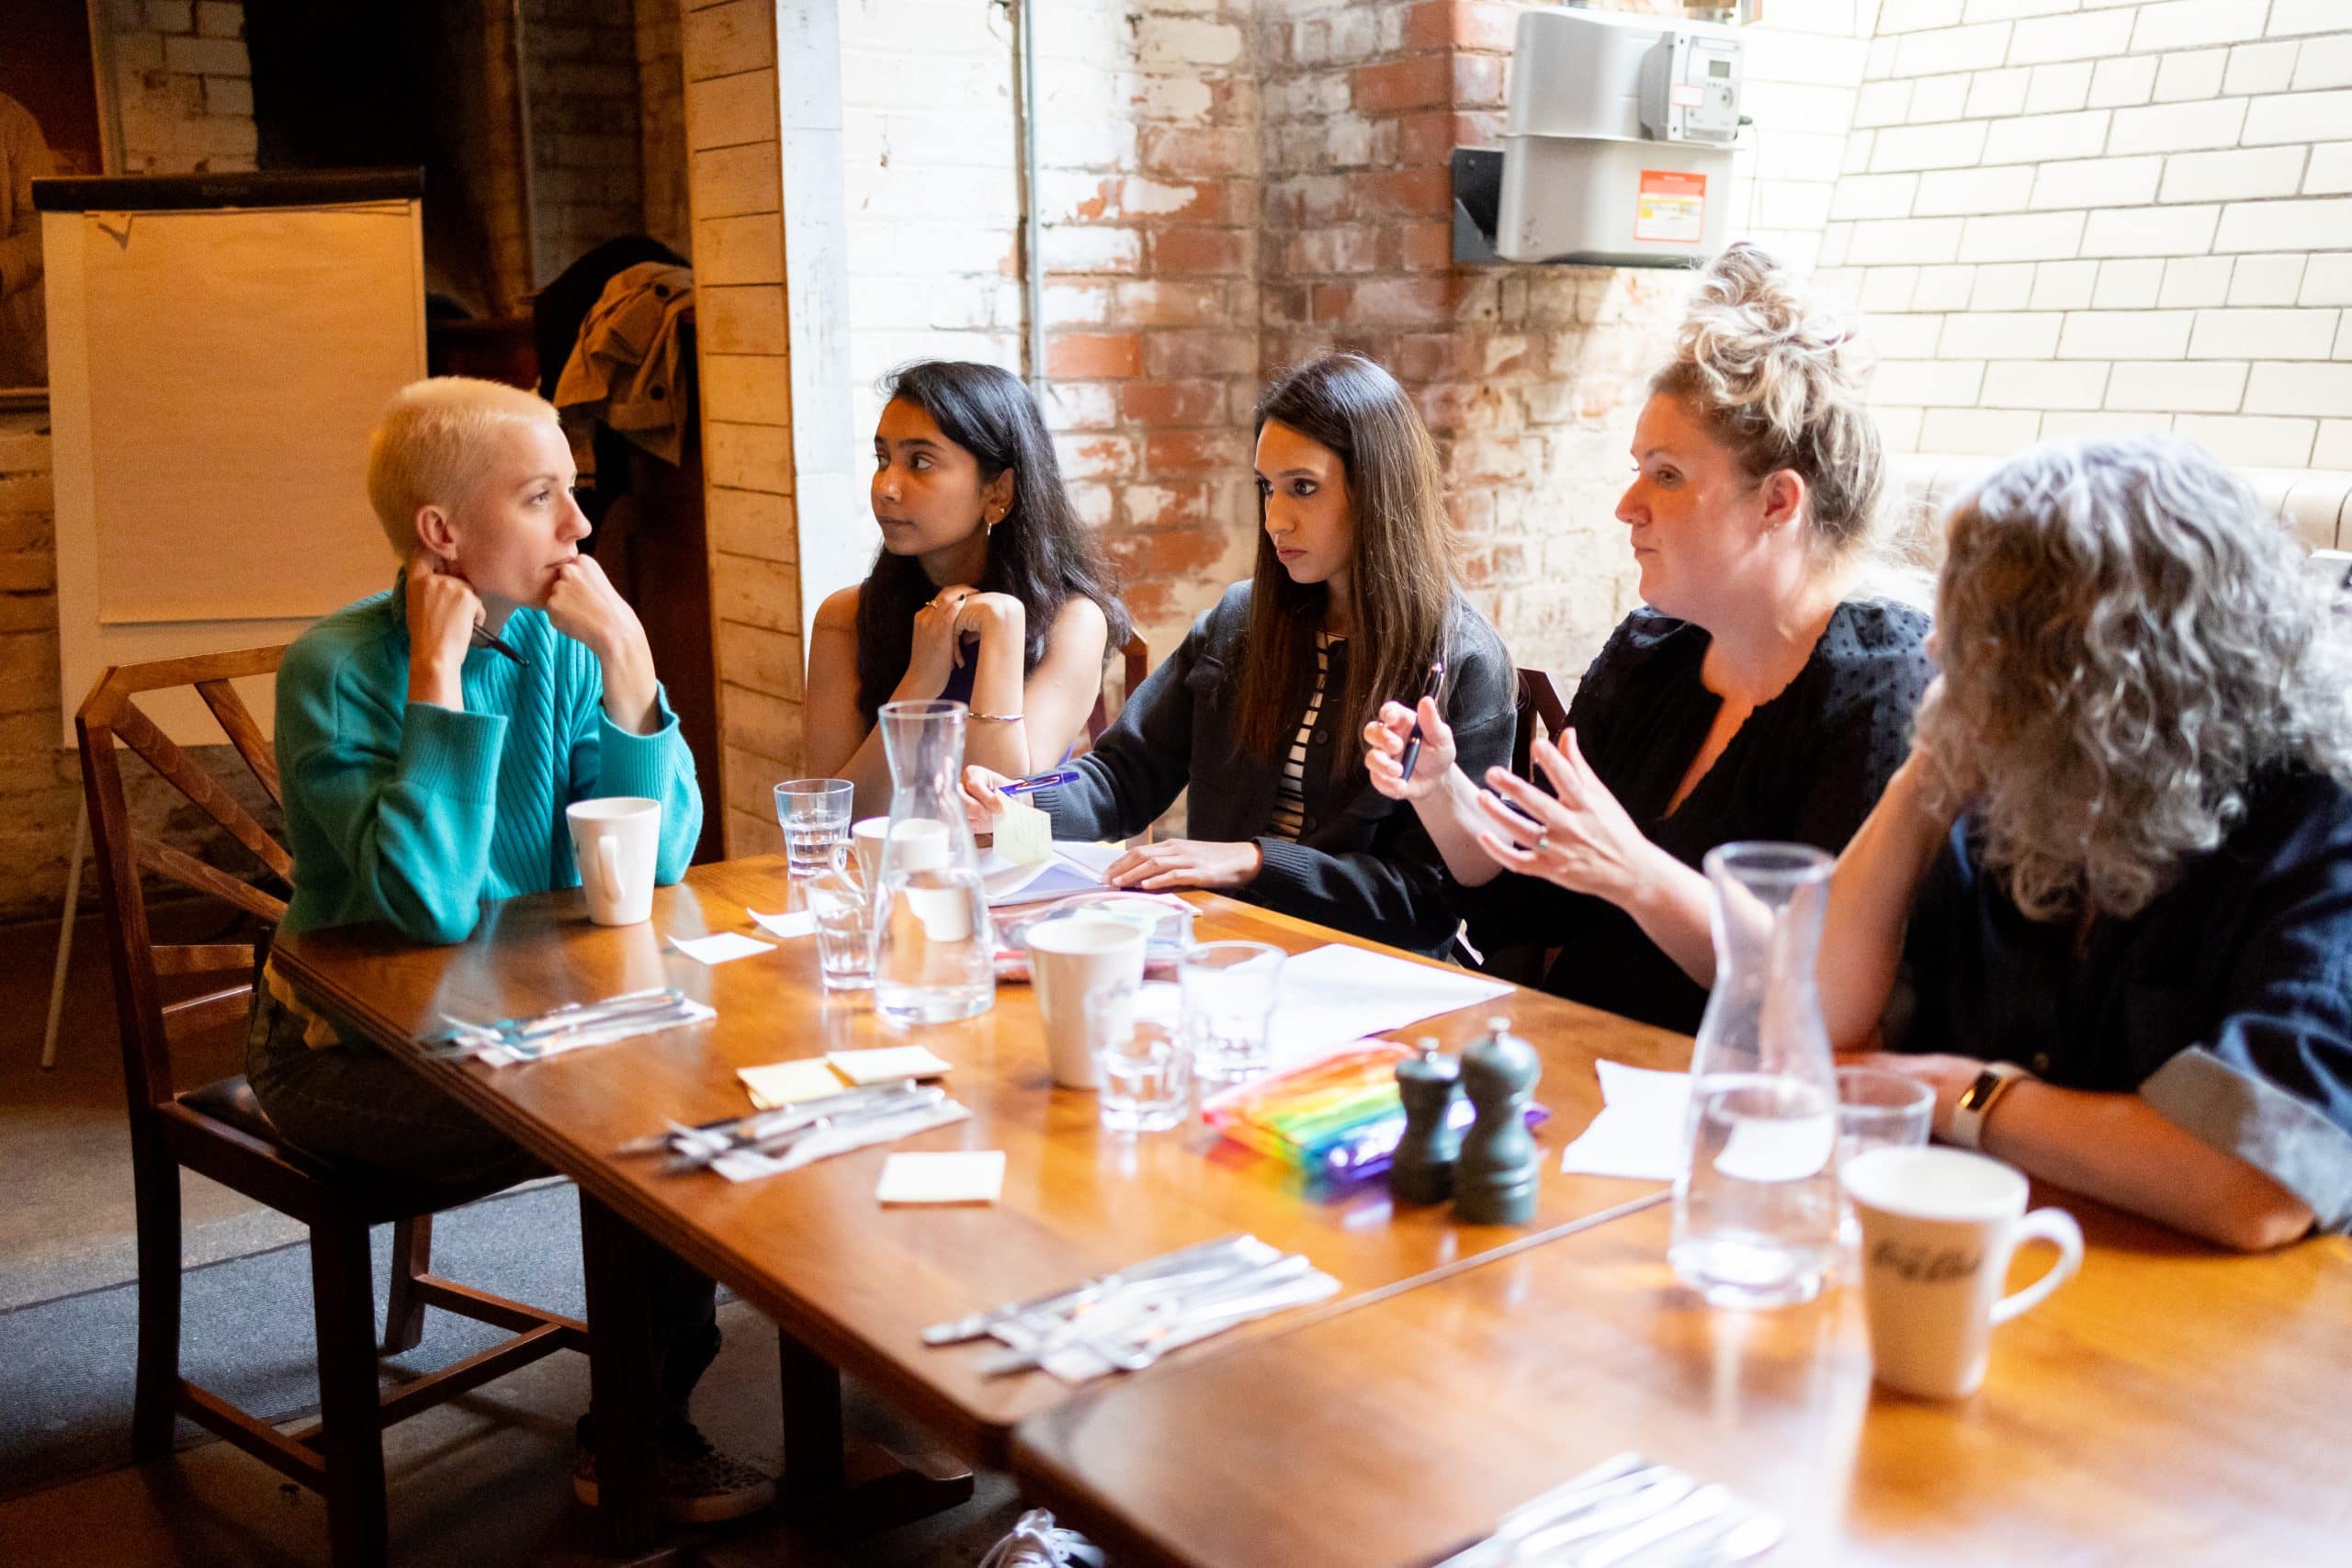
(1948, 1075)
(585, 606)
(989, 617)
(1581, 838)
(1185, 862)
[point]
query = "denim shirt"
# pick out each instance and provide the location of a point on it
(2226, 1003)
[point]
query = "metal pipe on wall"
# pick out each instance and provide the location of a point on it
(1032, 262)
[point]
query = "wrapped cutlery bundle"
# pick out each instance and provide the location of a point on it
(1336, 1119)
(570, 1027)
(1627, 1510)
(1125, 1320)
(745, 1148)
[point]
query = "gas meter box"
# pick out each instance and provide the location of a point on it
(1617, 148)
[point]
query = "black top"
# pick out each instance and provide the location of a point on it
(1806, 766)
(1361, 862)
(2226, 1002)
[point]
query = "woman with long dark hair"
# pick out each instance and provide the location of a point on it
(1353, 599)
(988, 590)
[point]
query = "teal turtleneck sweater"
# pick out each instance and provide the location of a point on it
(414, 813)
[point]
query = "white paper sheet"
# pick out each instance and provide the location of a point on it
(884, 1063)
(721, 949)
(1333, 995)
(1638, 1135)
(799, 922)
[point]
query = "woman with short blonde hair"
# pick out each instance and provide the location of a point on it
(2110, 892)
(1759, 695)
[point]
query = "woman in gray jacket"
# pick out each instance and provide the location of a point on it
(1354, 600)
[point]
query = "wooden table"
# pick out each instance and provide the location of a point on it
(851, 1281)
(2170, 1404)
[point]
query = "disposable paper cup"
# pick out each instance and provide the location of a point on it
(921, 845)
(1070, 960)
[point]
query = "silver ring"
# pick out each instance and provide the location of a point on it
(1541, 835)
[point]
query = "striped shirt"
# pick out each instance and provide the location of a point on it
(1289, 794)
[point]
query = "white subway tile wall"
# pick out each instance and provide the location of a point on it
(2072, 217)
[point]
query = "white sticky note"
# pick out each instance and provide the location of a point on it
(885, 1063)
(718, 949)
(801, 922)
(974, 1176)
(788, 1083)
(1025, 835)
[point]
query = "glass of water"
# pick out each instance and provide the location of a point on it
(843, 906)
(814, 814)
(1876, 1110)
(1228, 990)
(1143, 1065)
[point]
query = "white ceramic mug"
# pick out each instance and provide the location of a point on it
(1069, 960)
(615, 841)
(1938, 1228)
(922, 844)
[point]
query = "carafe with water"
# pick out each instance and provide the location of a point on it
(1756, 1205)
(934, 947)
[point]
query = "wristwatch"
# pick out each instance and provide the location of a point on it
(1976, 1102)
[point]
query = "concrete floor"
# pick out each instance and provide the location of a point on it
(484, 1480)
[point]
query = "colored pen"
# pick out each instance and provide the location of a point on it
(1054, 780)
(484, 637)
(1413, 742)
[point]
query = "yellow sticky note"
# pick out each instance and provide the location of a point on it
(886, 1063)
(1025, 835)
(787, 1083)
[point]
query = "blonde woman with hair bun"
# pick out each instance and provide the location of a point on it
(1757, 694)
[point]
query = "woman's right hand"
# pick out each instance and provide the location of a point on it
(1384, 740)
(443, 611)
(983, 797)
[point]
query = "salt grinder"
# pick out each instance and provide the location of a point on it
(1422, 1168)
(1496, 1174)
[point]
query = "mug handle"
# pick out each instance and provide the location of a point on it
(2057, 1227)
(608, 861)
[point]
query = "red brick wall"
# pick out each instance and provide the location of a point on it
(1523, 374)
(1152, 257)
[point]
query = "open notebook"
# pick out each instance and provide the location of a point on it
(1073, 867)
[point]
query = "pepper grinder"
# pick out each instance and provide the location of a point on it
(1422, 1168)
(1495, 1178)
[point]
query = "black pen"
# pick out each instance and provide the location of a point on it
(1413, 742)
(484, 637)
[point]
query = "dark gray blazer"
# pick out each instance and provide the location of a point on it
(1362, 863)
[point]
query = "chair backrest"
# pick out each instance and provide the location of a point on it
(1538, 700)
(123, 850)
(1136, 660)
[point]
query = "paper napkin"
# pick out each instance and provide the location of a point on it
(718, 949)
(787, 1083)
(965, 1177)
(799, 922)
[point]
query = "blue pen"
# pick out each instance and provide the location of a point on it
(1042, 781)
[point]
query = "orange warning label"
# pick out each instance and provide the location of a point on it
(1672, 209)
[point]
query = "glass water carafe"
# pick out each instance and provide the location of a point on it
(1756, 1205)
(934, 947)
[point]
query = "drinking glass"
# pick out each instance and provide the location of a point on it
(1876, 1110)
(1228, 991)
(1143, 1065)
(814, 814)
(843, 906)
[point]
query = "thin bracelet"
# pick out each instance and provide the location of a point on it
(979, 717)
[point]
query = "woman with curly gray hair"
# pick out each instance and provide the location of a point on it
(2116, 870)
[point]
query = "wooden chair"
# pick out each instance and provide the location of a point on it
(218, 1129)
(1538, 699)
(1135, 659)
